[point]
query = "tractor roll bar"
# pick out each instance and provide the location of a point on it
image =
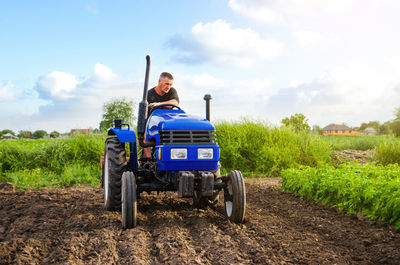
(143, 105)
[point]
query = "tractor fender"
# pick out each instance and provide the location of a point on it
(124, 135)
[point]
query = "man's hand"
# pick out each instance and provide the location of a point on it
(154, 104)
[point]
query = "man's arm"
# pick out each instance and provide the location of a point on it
(171, 101)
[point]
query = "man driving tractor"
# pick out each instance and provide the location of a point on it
(163, 93)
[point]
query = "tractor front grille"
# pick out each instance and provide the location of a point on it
(187, 137)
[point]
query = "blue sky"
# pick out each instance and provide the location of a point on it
(334, 60)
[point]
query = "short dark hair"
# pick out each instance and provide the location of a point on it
(166, 75)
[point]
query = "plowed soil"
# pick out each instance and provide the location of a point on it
(359, 156)
(70, 226)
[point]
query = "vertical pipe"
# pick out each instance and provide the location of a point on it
(142, 115)
(207, 98)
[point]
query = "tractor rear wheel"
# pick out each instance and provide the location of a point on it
(128, 201)
(114, 165)
(235, 197)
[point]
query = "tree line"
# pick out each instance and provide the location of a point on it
(31, 135)
(299, 122)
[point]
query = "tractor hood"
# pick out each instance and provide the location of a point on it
(167, 119)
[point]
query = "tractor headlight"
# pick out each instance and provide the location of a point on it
(178, 153)
(205, 153)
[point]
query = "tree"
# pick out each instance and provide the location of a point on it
(363, 126)
(3, 132)
(317, 129)
(117, 108)
(54, 134)
(372, 124)
(39, 133)
(384, 128)
(395, 125)
(25, 134)
(297, 121)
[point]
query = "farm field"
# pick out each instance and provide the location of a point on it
(70, 226)
(51, 209)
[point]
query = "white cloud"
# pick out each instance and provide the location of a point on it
(73, 102)
(311, 39)
(222, 44)
(352, 94)
(103, 72)
(277, 11)
(6, 92)
(56, 85)
(256, 10)
(231, 98)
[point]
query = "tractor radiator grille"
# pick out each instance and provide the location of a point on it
(187, 137)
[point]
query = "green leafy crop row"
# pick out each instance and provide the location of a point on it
(368, 189)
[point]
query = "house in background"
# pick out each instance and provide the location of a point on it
(81, 130)
(370, 131)
(8, 136)
(338, 129)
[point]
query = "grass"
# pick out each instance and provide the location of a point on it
(388, 152)
(51, 162)
(358, 142)
(38, 178)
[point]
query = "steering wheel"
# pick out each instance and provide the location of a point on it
(163, 106)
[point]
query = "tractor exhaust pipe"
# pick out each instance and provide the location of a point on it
(143, 105)
(207, 98)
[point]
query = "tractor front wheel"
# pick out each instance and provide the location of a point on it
(235, 197)
(128, 201)
(114, 165)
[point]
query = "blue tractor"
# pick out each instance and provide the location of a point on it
(185, 158)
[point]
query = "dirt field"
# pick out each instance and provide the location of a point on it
(70, 226)
(361, 157)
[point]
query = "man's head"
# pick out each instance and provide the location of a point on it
(164, 83)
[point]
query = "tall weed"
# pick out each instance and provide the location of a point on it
(51, 162)
(255, 147)
(388, 153)
(357, 142)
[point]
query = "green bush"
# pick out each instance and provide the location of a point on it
(258, 148)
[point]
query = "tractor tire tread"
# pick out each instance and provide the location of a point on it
(116, 155)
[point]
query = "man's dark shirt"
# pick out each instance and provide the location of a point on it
(152, 96)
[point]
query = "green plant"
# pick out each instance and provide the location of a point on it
(388, 152)
(357, 142)
(256, 148)
(369, 189)
(39, 163)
